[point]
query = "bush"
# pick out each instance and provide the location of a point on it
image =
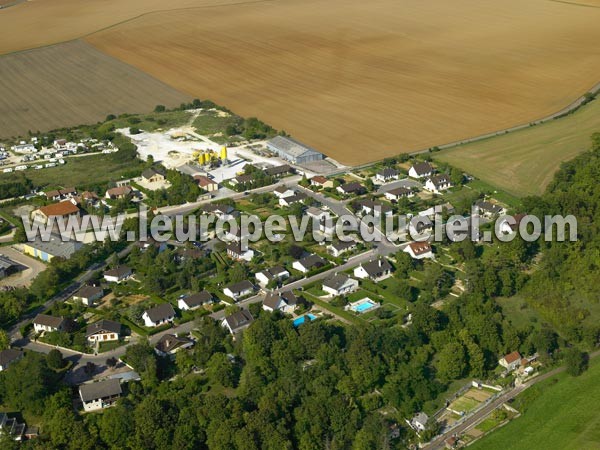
(55, 360)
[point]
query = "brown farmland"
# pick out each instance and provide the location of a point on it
(71, 84)
(358, 80)
(363, 80)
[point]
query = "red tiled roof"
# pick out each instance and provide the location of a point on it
(59, 209)
(419, 248)
(512, 357)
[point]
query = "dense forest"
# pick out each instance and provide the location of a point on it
(332, 386)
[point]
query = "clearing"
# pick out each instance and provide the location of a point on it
(70, 84)
(558, 415)
(524, 162)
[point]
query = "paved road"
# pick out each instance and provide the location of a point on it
(439, 443)
(14, 332)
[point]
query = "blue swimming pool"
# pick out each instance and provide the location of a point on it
(364, 306)
(302, 319)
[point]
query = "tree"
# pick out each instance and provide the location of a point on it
(237, 273)
(221, 370)
(456, 176)
(160, 108)
(55, 359)
(576, 361)
(451, 363)
(116, 426)
(27, 383)
(4, 340)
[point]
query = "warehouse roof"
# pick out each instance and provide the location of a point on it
(291, 146)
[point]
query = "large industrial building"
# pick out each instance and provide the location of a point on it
(293, 151)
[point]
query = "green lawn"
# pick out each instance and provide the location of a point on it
(153, 121)
(85, 171)
(524, 162)
(464, 404)
(560, 413)
(211, 122)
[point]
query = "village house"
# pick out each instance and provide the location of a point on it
(100, 394)
(327, 226)
(8, 357)
(421, 170)
(338, 248)
(487, 209)
(159, 315)
(508, 228)
(292, 199)
(309, 263)
(279, 171)
(419, 250)
(237, 321)
(223, 212)
(375, 209)
(321, 182)
(238, 252)
(352, 188)
(169, 344)
(264, 277)
(376, 270)
(386, 175)
(63, 210)
(195, 301)
(316, 213)
(61, 194)
(119, 193)
(419, 422)
(340, 284)
(44, 322)
(437, 209)
(118, 274)
(239, 290)
(88, 295)
(152, 176)
(237, 236)
(511, 361)
(242, 179)
(395, 195)
(286, 302)
(103, 331)
(206, 183)
(438, 183)
(283, 192)
(86, 198)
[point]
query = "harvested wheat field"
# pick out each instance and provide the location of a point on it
(357, 80)
(363, 80)
(524, 162)
(71, 84)
(36, 23)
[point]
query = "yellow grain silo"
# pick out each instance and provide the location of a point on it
(223, 153)
(202, 159)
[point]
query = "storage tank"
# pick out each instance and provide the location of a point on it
(223, 153)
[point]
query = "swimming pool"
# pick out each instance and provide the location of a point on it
(302, 319)
(362, 306)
